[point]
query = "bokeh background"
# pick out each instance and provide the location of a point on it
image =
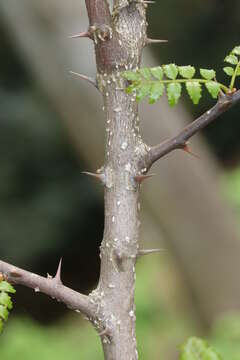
(52, 128)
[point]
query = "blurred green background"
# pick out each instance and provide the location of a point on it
(48, 209)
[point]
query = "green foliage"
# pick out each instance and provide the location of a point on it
(208, 74)
(225, 336)
(233, 59)
(197, 349)
(151, 82)
(194, 90)
(173, 93)
(187, 72)
(5, 301)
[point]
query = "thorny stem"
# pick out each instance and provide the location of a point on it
(180, 141)
(119, 39)
(51, 286)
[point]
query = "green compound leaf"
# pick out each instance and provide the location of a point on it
(142, 91)
(228, 70)
(213, 88)
(197, 349)
(207, 74)
(236, 50)
(171, 71)
(187, 72)
(157, 72)
(173, 93)
(194, 90)
(5, 286)
(146, 73)
(156, 92)
(231, 59)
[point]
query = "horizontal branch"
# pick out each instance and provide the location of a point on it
(180, 141)
(50, 286)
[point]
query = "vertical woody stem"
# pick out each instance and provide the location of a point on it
(118, 45)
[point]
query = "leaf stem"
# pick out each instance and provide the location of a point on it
(234, 76)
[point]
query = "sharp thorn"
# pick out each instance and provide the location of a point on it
(155, 41)
(99, 176)
(148, 252)
(84, 34)
(140, 178)
(149, 2)
(187, 149)
(84, 77)
(57, 277)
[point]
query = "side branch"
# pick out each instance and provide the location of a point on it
(50, 286)
(180, 141)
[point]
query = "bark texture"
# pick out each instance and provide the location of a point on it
(118, 45)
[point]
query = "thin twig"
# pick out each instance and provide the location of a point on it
(179, 141)
(48, 286)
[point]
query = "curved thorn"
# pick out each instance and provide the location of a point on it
(148, 252)
(84, 34)
(155, 41)
(84, 77)
(57, 277)
(187, 149)
(140, 178)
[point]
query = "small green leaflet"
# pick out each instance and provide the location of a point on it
(194, 90)
(231, 59)
(5, 301)
(213, 88)
(197, 349)
(131, 75)
(187, 72)
(142, 91)
(5, 286)
(236, 50)
(171, 71)
(208, 74)
(157, 72)
(173, 93)
(145, 72)
(228, 70)
(156, 92)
